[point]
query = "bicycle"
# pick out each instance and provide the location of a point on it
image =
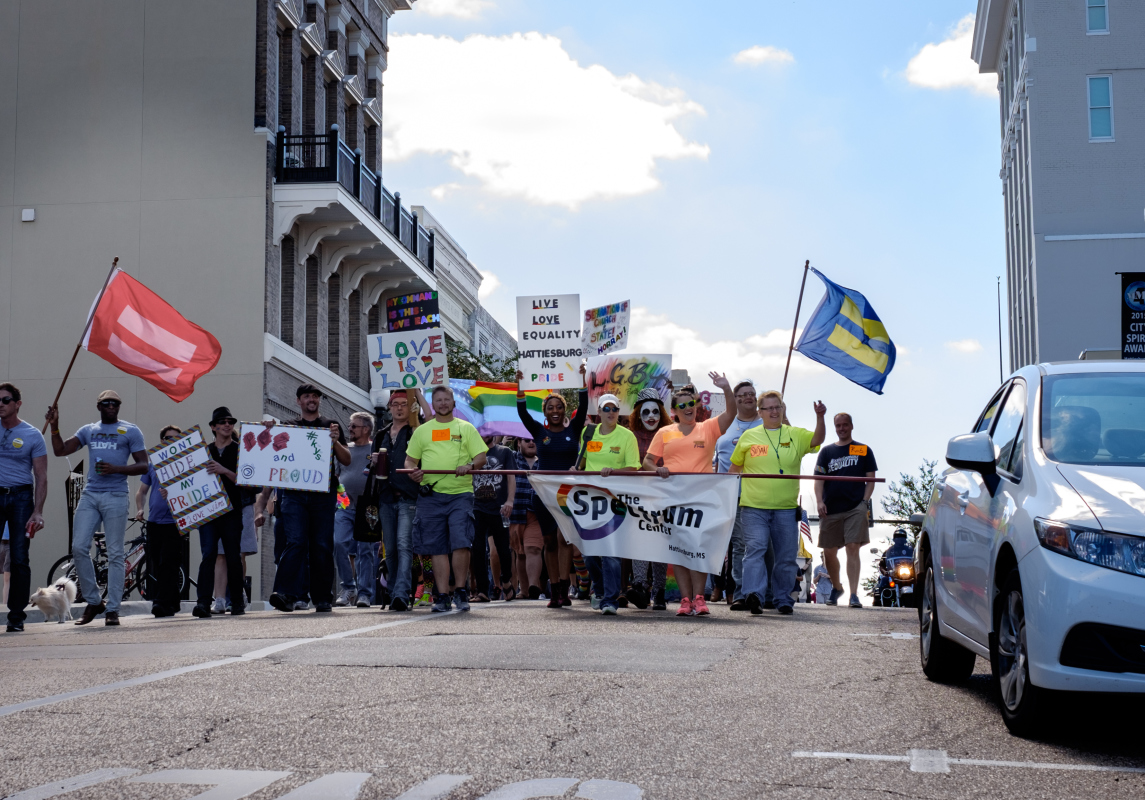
(134, 576)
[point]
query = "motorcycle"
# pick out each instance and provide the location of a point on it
(896, 584)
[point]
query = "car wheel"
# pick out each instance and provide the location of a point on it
(943, 661)
(1022, 702)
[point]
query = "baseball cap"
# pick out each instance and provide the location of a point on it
(109, 394)
(308, 388)
(605, 399)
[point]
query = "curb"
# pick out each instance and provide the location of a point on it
(129, 608)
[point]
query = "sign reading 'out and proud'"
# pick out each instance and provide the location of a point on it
(413, 312)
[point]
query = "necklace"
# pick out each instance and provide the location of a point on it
(775, 446)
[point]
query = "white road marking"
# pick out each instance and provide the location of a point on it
(335, 786)
(609, 790)
(933, 757)
(435, 788)
(230, 784)
(895, 635)
(71, 784)
(170, 673)
(929, 761)
(526, 790)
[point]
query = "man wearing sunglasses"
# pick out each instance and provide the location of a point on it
(23, 489)
(111, 444)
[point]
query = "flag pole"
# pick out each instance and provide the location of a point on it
(86, 328)
(798, 304)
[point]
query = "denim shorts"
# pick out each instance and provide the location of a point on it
(444, 524)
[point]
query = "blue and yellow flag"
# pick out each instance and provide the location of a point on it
(847, 335)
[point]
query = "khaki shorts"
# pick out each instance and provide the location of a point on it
(527, 535)
(849, 527)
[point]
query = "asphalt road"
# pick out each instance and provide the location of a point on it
(517, 701)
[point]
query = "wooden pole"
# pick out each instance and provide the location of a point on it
(86, 328)
(791, 347)
(647, 474)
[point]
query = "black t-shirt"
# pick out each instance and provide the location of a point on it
(324, 423)
(557, 450)
(854, 460)
(491, 491)
(396, 459)
(229, 458)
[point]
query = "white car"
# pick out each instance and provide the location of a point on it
(1032, 552)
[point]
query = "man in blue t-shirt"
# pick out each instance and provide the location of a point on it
(112, 444)
(23, 489)
(747, 417)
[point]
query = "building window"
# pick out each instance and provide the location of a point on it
(1097, 16)
(1101, 108)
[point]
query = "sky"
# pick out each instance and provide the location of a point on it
(691, 157)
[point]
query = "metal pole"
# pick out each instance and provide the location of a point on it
(791, 347)
(647, 474)
(1001, 375)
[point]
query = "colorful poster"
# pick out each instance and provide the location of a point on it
(626, 376)
(684, 519)
(284, 456)
(548, 333)
(194, 495)
(605, 329)
(413, 312)
(406, 360)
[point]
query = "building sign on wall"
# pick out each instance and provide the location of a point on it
(1133, 314)
(413, 312)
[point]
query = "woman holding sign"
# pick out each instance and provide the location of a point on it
(557, 448)
(690, 446)
(227, 529)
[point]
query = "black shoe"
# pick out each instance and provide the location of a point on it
(638, 595)
(534, 592)
(323, 608)
(111, 619)
(237, 611)
(785, 611)
(753, 604)
(91, 612)
(15, 627)
(246, 588)
(622, 601)
(398, 604)
(279, 602)
(200, 611)
(768, 604)
(738, 605)
(461, 599)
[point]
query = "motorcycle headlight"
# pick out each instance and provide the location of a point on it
(904, 571)
(1109, 550)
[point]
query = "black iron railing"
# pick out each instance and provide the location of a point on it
(325, 158)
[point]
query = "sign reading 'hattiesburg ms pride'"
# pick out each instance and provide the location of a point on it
(548, 329)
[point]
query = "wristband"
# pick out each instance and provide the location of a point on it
(520, 394)
(55, 431)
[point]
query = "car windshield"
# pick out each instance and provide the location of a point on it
(1095, 418)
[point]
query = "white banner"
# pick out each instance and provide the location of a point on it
(406, 360)
(605, 329)
(685, 519)
(194, 495)
(548, 332)
(285, 456)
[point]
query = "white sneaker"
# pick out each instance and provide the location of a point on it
(346, 598)
(301, 605)
(219, 606)
(594, 602)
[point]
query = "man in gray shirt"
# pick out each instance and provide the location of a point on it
(747, 417)
(357, 590)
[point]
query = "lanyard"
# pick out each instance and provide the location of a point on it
(776, 446)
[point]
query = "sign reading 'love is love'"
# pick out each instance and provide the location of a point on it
(285, 456)
(406, 360)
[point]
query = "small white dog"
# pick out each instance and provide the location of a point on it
(56, 600)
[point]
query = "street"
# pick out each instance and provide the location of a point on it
(518, 701)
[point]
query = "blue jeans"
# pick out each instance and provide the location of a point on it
(307, 558)
(111, 509)
(770, 530)
(397, 527)
(226, 530)
(737, 555)
(15, 509)
(365, 557)
(605, 572)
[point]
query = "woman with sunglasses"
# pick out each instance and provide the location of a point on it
(557, 447)
(226, 530)
(690, 446)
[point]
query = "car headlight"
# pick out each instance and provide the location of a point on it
(1109, 550)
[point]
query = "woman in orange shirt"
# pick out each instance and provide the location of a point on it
(690, 446)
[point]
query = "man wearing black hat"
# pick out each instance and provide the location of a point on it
(227, 529)
(308, 519)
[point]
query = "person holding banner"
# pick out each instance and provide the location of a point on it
(747, 417)
(226, 530)
(164, 550)
(398, 502)
(557, 448)
(444, 529)
(648, 416)
(689, 446)
(769, 508)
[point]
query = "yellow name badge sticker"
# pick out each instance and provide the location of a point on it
(671, 436)
(17, 443)
(440, 435)
(858, 450)
(121, 429)
(759, 450)
(595, 447)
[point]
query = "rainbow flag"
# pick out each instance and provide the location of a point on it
(496, 403)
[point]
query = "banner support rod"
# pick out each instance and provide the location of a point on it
(791, 347)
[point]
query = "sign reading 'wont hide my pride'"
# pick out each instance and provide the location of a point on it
(194, 495)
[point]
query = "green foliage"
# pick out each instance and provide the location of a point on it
(467, 365)
(910, 494)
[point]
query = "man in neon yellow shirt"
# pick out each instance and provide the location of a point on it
(769, 507)
(612, 449)
(444, 529)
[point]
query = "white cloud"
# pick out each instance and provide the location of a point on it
(964, 346)
(465, 9)
(521, 118)
(489, 284)
(763, 54)
(948, 65)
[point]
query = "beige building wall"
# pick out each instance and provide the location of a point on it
(128, 126)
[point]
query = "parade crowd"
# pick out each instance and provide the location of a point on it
(445, 526)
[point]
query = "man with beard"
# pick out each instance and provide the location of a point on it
(747, 417)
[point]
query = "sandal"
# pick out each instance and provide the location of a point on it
(509, 594)
(481, 598)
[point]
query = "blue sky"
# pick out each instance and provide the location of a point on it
(622, 151)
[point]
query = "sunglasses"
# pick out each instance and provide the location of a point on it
(650, 412)
(6, 400)
(772, 408)
(109, 403)
(610, 410)
(688, 404)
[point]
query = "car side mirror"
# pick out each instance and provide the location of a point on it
(973, 452)
(916, 519)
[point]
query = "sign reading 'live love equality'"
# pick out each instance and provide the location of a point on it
(1133, 315)
(548, 327)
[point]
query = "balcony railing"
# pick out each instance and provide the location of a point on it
(325, 158)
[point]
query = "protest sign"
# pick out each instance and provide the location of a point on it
(284, 456)
(605, 329)
(412, 312)
(626, 376)
(548, 329)
(194, 495)
(406, 360)
(644, 518)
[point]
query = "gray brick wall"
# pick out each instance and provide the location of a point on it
(286, 295)
(334, 339)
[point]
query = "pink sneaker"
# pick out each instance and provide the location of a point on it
(685, 609)
(700, 606)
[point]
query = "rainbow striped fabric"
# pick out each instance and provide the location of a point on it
(496, 405)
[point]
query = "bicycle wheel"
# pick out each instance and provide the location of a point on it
(63, 568)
